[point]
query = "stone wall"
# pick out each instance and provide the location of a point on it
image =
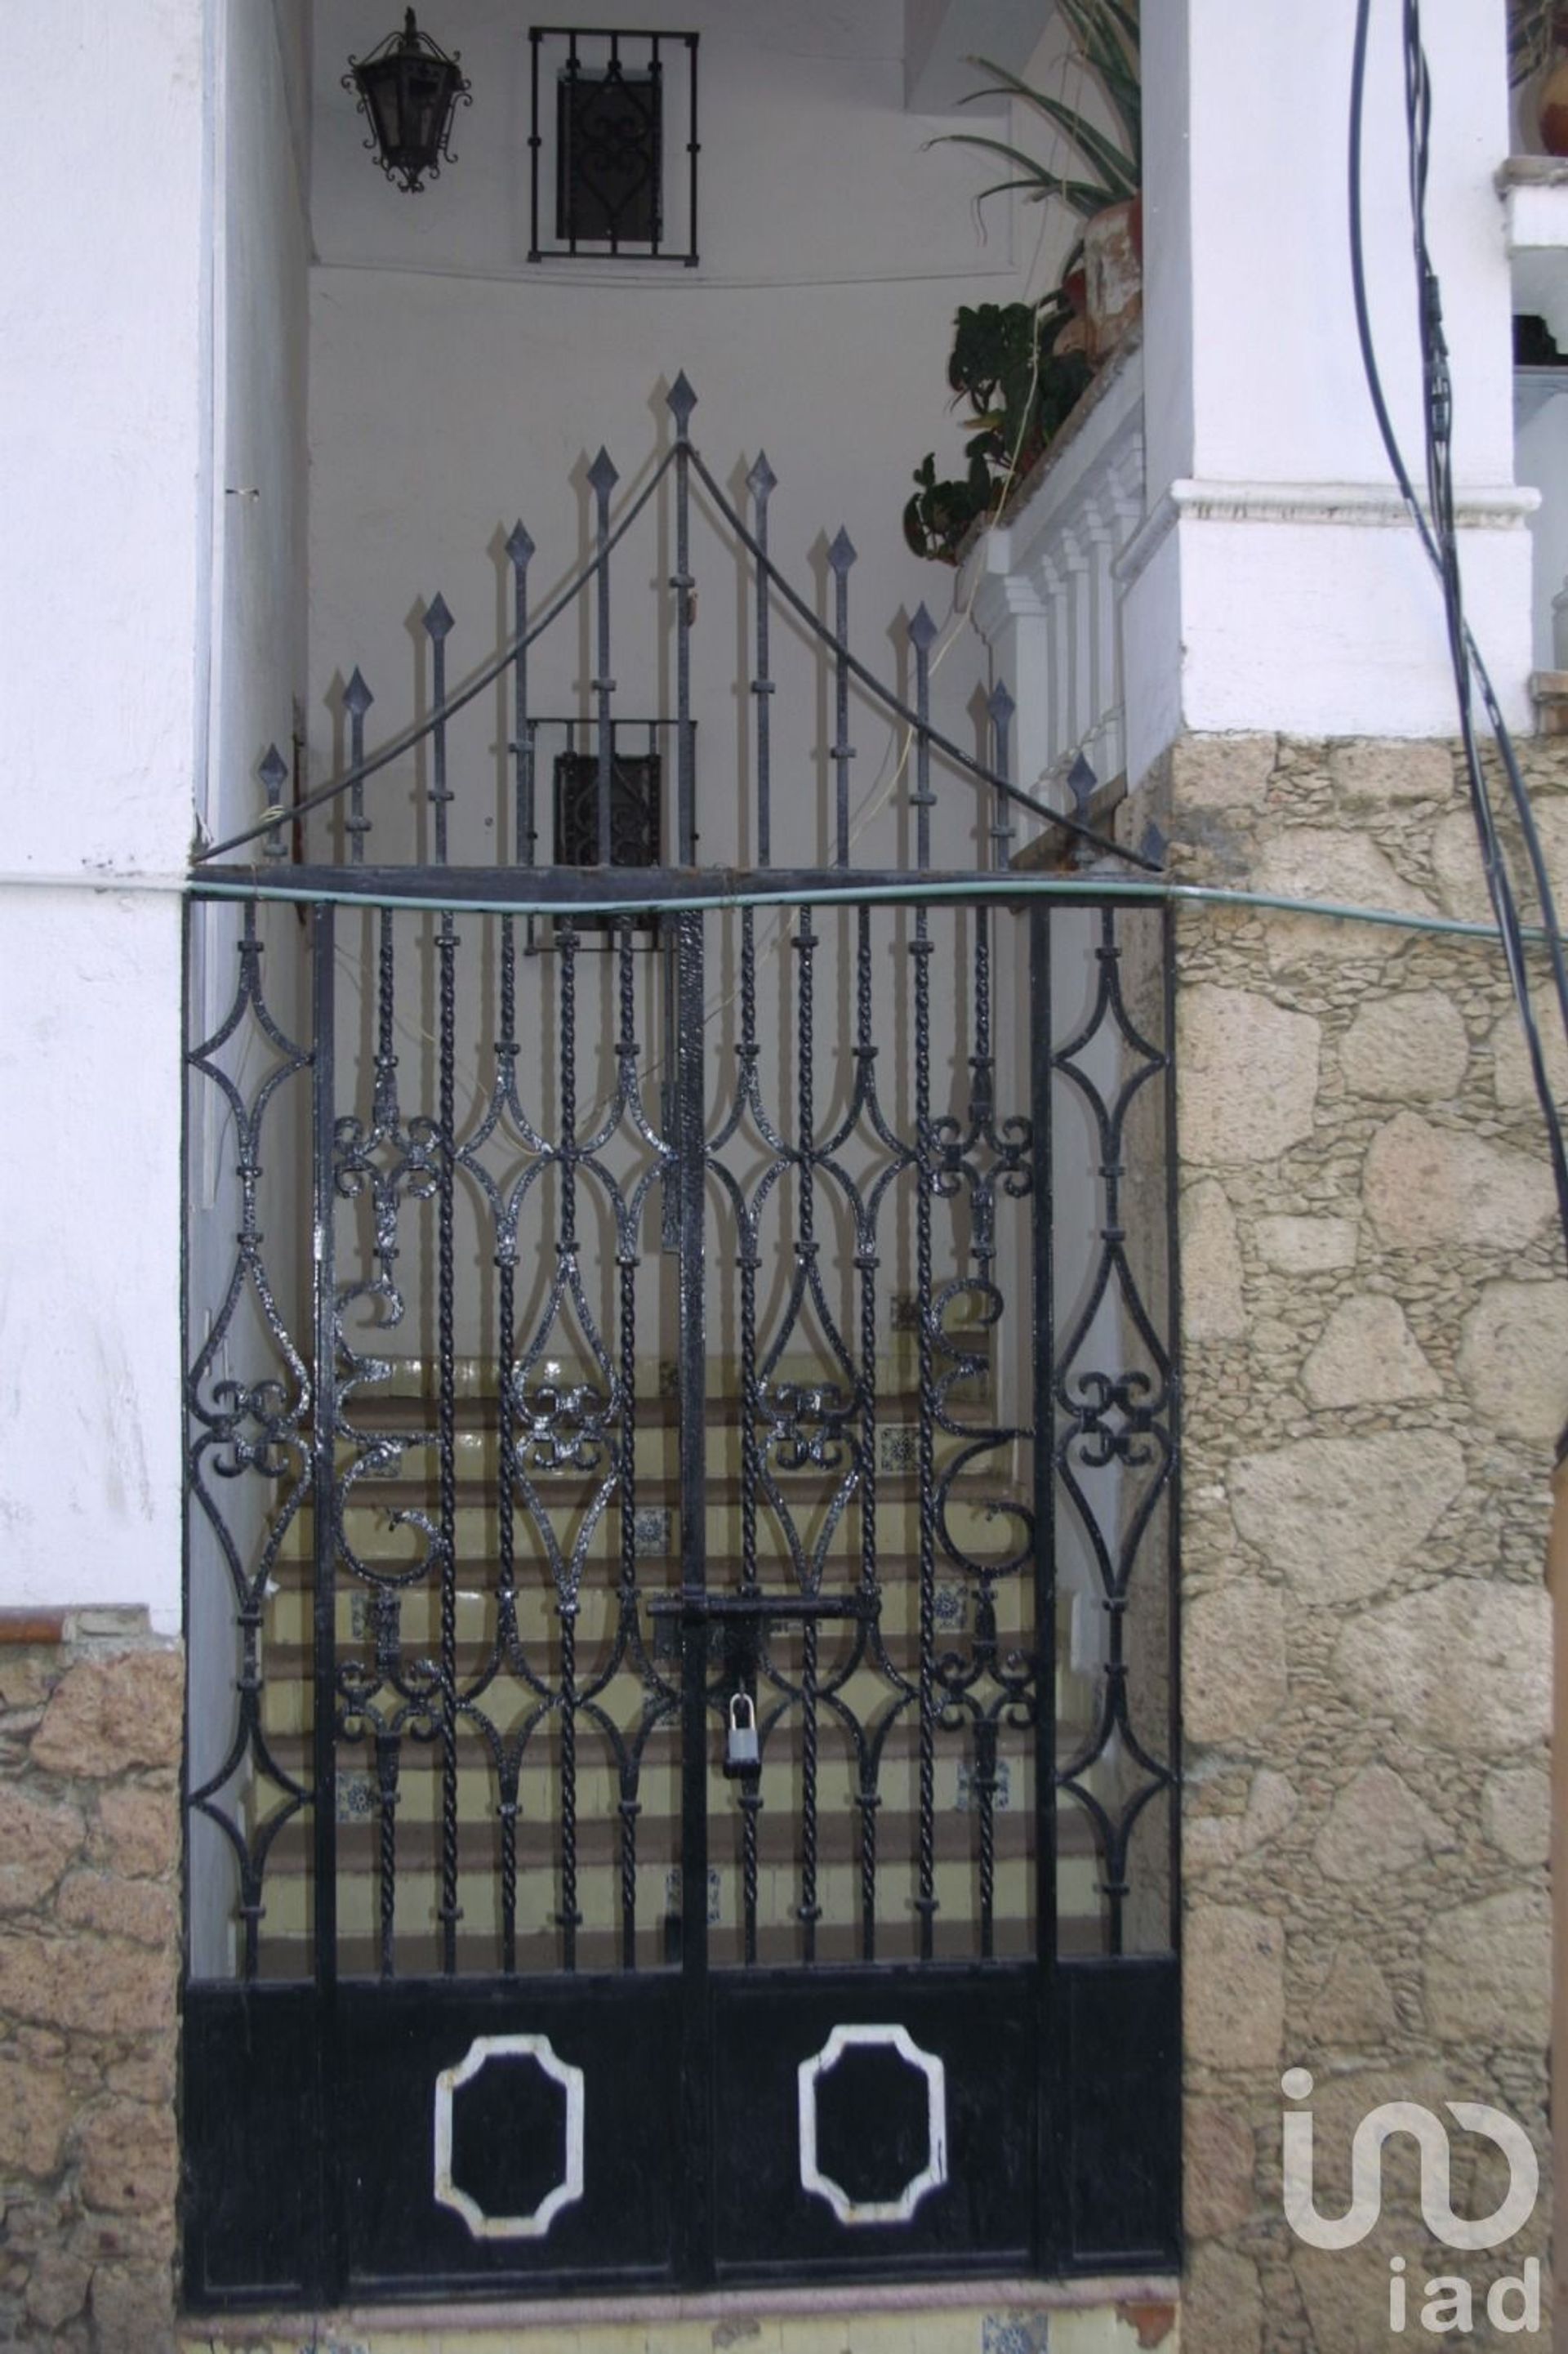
(1376, 1338)
(90, 1716)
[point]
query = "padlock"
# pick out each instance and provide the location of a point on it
(742, 1752)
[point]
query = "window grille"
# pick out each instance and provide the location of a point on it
(613, 145)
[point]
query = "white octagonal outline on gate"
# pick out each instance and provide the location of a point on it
(539, 2049)
(932, 2175)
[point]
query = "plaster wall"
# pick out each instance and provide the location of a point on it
(455, 389)
(1542, 460)
(104, 318)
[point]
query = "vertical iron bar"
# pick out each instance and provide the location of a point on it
(750, 1412)
(520, 547)
(682, 401)
(567, 1602)
(692, 150)
(925, 1897)
(865, 1267)
(696, 2218)
(656, 80)
(602, 478)
(1173, 1337)
(611, 211)
(841, 555)
(534, 249)
(806, 941)
(356, 701)
(507, 1569)
(325, 1470)
(1044, 1401)
(564, 161)
(448, 1912)
(1041, 1124)
(274, 775)
(1000, 708)
(762, 482)
(922, 637)
(323, 1486)
(627, 1261)
(437, 626)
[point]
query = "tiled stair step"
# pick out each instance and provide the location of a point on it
(476, 1448)
(657, 1890)
(417, 1380)
(598, 1784)
(287, 1716)
(290, 1625)
(978, 1528)
(778, 1946)
(599, 1840)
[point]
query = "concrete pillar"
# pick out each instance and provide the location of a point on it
(1275, 583)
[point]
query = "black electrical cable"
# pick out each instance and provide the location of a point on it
(1441, 543)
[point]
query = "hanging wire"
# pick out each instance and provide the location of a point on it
(1439, 538)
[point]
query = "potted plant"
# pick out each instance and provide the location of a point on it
(1023, 366)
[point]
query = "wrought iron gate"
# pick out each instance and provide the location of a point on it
(681, 1766)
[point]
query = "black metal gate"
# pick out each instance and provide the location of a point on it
(681, 1768)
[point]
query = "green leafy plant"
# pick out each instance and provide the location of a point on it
(1020, 393)
(1021, 389)
(1105, 34)
(1534, 28)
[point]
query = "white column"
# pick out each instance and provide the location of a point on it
(1274, 584)
(103, 308)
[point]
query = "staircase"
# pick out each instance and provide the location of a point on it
(807, 1882)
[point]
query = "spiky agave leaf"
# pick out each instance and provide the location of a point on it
(1117, 167)
(1084, 197)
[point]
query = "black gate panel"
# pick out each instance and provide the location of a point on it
(1119, 2137)
(251, 2137)
(875, 2122)
(505, 2136)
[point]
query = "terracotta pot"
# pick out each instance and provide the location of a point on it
(1114, 262)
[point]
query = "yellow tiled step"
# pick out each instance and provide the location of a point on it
(411, 1445)
(598, 1898)
(979, 1528)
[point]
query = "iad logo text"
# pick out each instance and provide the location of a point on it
(1513, 2301)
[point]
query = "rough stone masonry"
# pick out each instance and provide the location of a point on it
(1375, 1330)
(90, 1717)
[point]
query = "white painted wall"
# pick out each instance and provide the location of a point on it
(1275, 585)
(454, 389)
(102, 621)
(1542, 460)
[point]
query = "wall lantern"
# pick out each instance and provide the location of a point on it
(408, 89)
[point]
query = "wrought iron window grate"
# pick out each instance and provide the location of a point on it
(612, 145)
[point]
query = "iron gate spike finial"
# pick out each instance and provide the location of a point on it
(602, 476)
(1000, 705)
(357, 696)
(1082, 782)
(762, 482)
(438, 616)
(843, 553)
(922, 629)
(519, 547)
(273, 773)
(680, 401)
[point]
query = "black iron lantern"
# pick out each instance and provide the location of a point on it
(408, 89)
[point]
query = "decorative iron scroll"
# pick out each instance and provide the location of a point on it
(906, 1480)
